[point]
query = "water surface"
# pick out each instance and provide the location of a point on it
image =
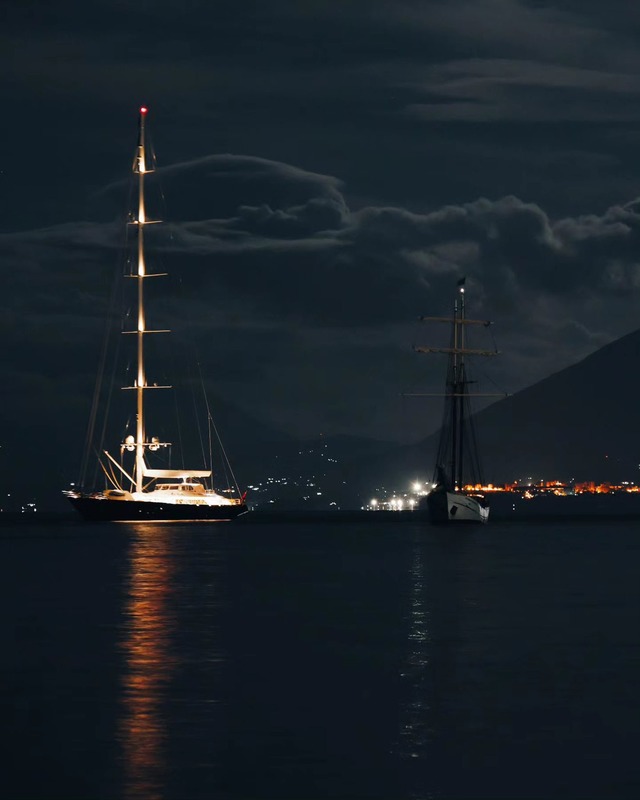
(315, 660)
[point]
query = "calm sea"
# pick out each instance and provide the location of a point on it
(312, 660)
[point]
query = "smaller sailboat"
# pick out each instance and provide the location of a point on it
(134, 489)
(452, 500)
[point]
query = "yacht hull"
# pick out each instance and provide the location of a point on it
(95, 509)
(447, 508)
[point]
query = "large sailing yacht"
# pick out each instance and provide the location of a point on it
(457, 463)
(136, 491)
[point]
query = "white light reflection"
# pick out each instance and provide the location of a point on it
(416, 732)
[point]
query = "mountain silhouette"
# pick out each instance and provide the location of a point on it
(581, 423)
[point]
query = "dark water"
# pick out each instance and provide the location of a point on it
(296, 660)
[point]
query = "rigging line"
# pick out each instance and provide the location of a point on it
(195, 411)
(110, 476)
(95, 400)
(226, 463)
(225, 474)
(226, 458)
(189, 327)
(159, 189)
(190, 330)
(491, 380)
(210, 438)
(211, 424)
(132, 485)
(107, 335)
(110, 391)
(176, 405)
(228, 477)
(114, 479)
(485, 375)
(106, 474)
(474, 450)
(159, 184)
(117, 291)
(99, 464)
(188, 383)
(493, 339)
(222, 450)
(210, 441)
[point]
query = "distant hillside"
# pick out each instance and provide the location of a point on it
(40, 456)
(582, 422)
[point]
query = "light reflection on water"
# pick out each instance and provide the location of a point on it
(313, 661)
(149, 620)
(172, 727)
(415, 712)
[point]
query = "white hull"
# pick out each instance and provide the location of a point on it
(456, 507)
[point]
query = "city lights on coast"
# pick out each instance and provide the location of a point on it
(399, 501)
(527, 489)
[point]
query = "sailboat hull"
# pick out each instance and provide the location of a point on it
(97, 509)
(455, 508)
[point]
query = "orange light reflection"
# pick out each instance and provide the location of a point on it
(148, 666)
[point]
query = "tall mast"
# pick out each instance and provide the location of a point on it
(462, 388)
(140, 167)
(451, 449)
(455, 400)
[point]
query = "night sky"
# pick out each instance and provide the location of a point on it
(330, 170)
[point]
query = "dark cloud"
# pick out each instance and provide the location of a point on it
(293, 276)
(369, 153)
(413, 104)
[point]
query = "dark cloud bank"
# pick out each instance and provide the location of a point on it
(298, 289)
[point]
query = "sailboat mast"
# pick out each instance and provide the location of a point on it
(454, 394)
(462, 388)
(140, 168)
(457, 443)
